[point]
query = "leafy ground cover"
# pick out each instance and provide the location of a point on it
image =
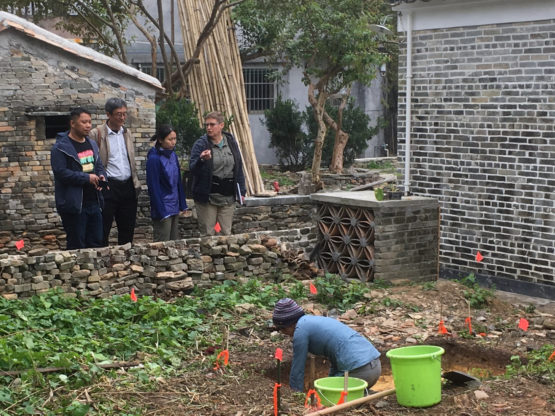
(57, 353)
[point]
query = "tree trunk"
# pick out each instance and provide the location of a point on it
(341, 137)
(336, 164)
(318, 104)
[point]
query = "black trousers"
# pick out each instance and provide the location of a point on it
(120, 203)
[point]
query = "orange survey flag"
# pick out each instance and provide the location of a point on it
(309, 394)
(313, 289)
(217, 227)
(133, 296)
(479, 257)
(19, 244)
(342, 398)
(468, 322)
(442, 329)
(276, 405)
(523, 324)
(225, 355)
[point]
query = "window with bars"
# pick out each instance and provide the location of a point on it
(260, 89)
(147, 69)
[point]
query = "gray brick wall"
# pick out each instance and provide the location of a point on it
(483, 143)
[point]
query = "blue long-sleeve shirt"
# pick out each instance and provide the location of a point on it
(345, 348)
(163, 177)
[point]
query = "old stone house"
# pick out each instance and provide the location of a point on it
(42, 77)
(477, 131)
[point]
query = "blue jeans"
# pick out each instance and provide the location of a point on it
(83, 230)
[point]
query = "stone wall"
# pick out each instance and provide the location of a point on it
(165, 269)
(38, 81)
(483, 143)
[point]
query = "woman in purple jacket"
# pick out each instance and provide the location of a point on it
(163, 177)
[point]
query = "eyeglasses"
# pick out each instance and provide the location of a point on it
(119, 115)
(210, 124)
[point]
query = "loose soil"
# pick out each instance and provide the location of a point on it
(245, 385)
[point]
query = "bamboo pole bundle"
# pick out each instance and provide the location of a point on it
(216, 83)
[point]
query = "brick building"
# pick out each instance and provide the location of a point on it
(477, 113)
(42, 77)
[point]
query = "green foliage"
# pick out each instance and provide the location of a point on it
(182, 114)
(537, 365)
(271, 176)
(355, 123)
(284, 122)
(337, 293)
(53, 330)
(381, 284)
(297, 291)
(392, 303)
(427, 286)
(478, 296)
(378, 193)
(382, 165)
(332, 41)
(295, 149)
(83, 19)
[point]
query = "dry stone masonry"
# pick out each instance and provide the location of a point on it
(165, 269)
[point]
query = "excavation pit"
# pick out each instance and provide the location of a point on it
(475, 360)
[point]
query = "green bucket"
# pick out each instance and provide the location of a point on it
(329, 389)
(417, 374)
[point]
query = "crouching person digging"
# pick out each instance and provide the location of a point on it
(345, 348)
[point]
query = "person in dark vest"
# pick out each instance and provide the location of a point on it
(78, 177)
(217, 176)
(345, 348)
(117, 152)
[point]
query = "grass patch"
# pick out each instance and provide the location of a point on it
(537, 366)
(272, 176)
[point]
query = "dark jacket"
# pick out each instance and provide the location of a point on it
(201, 171)
(163, 177)
(69, 178)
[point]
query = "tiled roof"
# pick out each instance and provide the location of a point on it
(8, 21)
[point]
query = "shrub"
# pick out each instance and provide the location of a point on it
(183, 116)
(355, 122)
(285, 122)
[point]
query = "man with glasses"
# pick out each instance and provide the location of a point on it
(117, 152)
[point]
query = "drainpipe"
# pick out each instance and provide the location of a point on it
(408, 103)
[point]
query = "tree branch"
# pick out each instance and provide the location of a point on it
(140, 4)
(116, 30)
(94, 27)
(151, 39)
(161, 37)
